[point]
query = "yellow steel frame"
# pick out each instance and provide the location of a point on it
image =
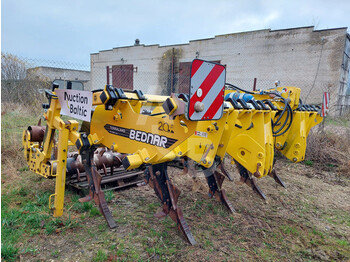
(245, 134)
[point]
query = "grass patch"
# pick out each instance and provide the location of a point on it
(309, 162)
(337, 217)
(100, 256)
(109, 196)
(8, 251)
(342, 242)
(94, 212)
(24, 215)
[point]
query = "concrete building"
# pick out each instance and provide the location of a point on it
(314, 60)
(52, 73)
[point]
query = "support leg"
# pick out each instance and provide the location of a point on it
(61, 172)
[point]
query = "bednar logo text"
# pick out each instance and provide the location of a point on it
(141, 136)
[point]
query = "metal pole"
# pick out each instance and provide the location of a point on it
(107, 69)
(254, 85)
(172, 72)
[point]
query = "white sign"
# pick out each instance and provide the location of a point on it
(207, 89)
(75, 103)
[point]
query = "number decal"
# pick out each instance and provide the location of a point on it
(165, 127)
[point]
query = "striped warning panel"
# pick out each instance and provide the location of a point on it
(206, 90)
(325, 104)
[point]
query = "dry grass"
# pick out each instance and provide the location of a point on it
(24, 92)
(15, 118)
(330, 146)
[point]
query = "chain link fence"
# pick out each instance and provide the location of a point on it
(23, 80)
(164, 83)
(251, 59)
(176, 79)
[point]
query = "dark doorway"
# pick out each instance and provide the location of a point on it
(123, 76)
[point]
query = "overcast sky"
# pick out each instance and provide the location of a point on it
(70, 30)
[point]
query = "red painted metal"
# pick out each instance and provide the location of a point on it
(207, 88)
(184, 77)
(123, 76)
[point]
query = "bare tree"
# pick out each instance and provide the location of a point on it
(18, 85)
(12, 67)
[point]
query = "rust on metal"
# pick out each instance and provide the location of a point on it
(220, 194)
(224, 171)
(208, 148)
(257, 173)
(108, 162)
(246, 177)
(250, 181)
(279, 181)
(156, 176)
(94, 179)
(215, 180)
(36, 133)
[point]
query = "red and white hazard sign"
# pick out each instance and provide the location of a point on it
(207, 87)
(325, 104)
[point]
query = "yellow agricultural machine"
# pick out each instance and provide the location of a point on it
(146, 132)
